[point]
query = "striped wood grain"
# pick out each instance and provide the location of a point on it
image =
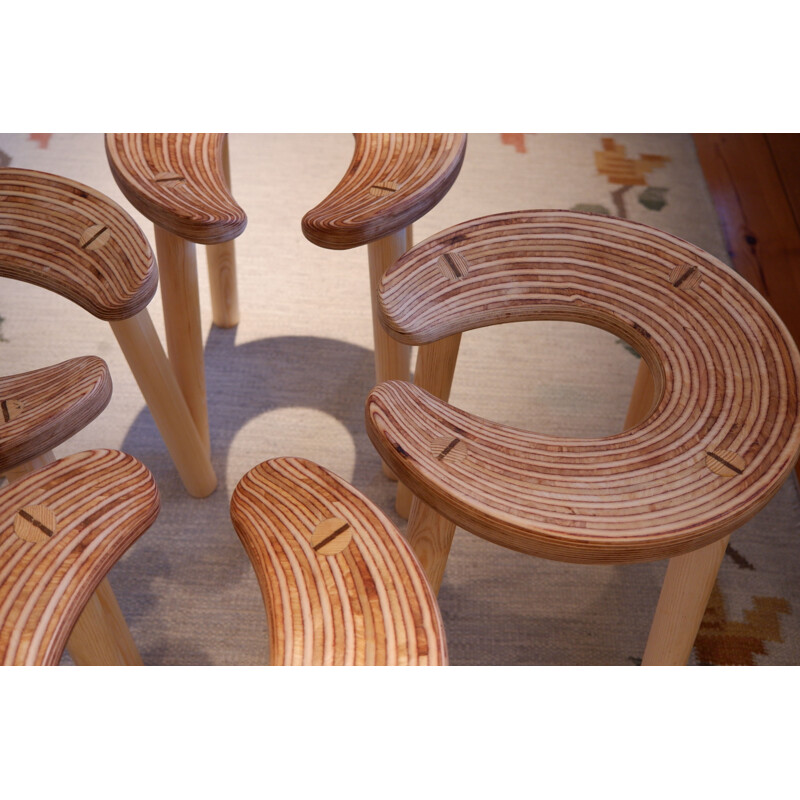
(340, 585)
(178, 181)
(62, 528)
(40, 410)
(393, 180)
(720, 439)
(75, 241)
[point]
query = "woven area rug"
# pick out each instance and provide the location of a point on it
(292, 377)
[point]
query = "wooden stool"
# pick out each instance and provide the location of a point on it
(720, 437)
(72, 240)
(392, 181)
(181, 183)
(62, 528)
(340, 585)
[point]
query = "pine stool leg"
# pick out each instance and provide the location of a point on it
(148, 362)
(644, 392)
(392, 359)
(436, 365)
(681, 605)
(177, 260)
(430, 536)
(221, 260)
(100, 637)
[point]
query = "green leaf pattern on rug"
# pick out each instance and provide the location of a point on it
(654, 198)
(2, 338)
(5, 159)
(591, 208)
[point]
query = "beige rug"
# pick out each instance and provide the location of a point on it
(292, 378)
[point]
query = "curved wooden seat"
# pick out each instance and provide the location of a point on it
(392, 181)
(40, 410)
(340, 585)
(61, 530)
(73, 240)
(178, 181)
(718, 440)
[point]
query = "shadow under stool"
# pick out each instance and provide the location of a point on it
(62, 528)
(181, 183)
(340, 584)
(72, 240)
(718, 438)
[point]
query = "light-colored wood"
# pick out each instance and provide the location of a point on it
(100, 637)
(41, 409)
(430, 536)
(72, 240)
(146, 357)
(393, 180)
(713, 430)
(436, 364)
(681, 605)
(221, 260)
(85, 511)
(177, 181)
(177, 259)
(642, 398)
(392, 359)
(364, 602)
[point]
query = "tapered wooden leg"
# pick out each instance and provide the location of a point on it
(430, 536)
(177, 261)
(100, 637)
(681, 605)
(148, 362)
(221, 260)
(392, 359)
(436, 365)
(642, 398)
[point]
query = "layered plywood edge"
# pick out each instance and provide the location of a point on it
(718, 442)
(340, 584)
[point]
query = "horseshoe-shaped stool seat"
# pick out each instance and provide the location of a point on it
(62, 528)
(340, 585)
(181, 183)
(719, 439)
(393, 180)
(72, 240)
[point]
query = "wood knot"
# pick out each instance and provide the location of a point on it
(95, 237)
(449, 448)
(331, 536)
(35, 523)
(384, 188)
(725, 463)
(10, 409)
(453, 266)
(169, 179)
(685, 277)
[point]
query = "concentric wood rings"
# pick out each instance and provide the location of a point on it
(720, 440)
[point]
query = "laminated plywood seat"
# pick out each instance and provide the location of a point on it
(716, 436)
(340, 585)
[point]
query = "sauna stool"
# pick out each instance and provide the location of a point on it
(181, 183)
(62, 528)
(72, 240)
(717, 440)
(340, 585)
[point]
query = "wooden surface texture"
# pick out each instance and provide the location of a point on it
(40, 410)
(178, 181)
(392, 181)
(62, 528)
(340, 584)
(721, 438)
(75, 241)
